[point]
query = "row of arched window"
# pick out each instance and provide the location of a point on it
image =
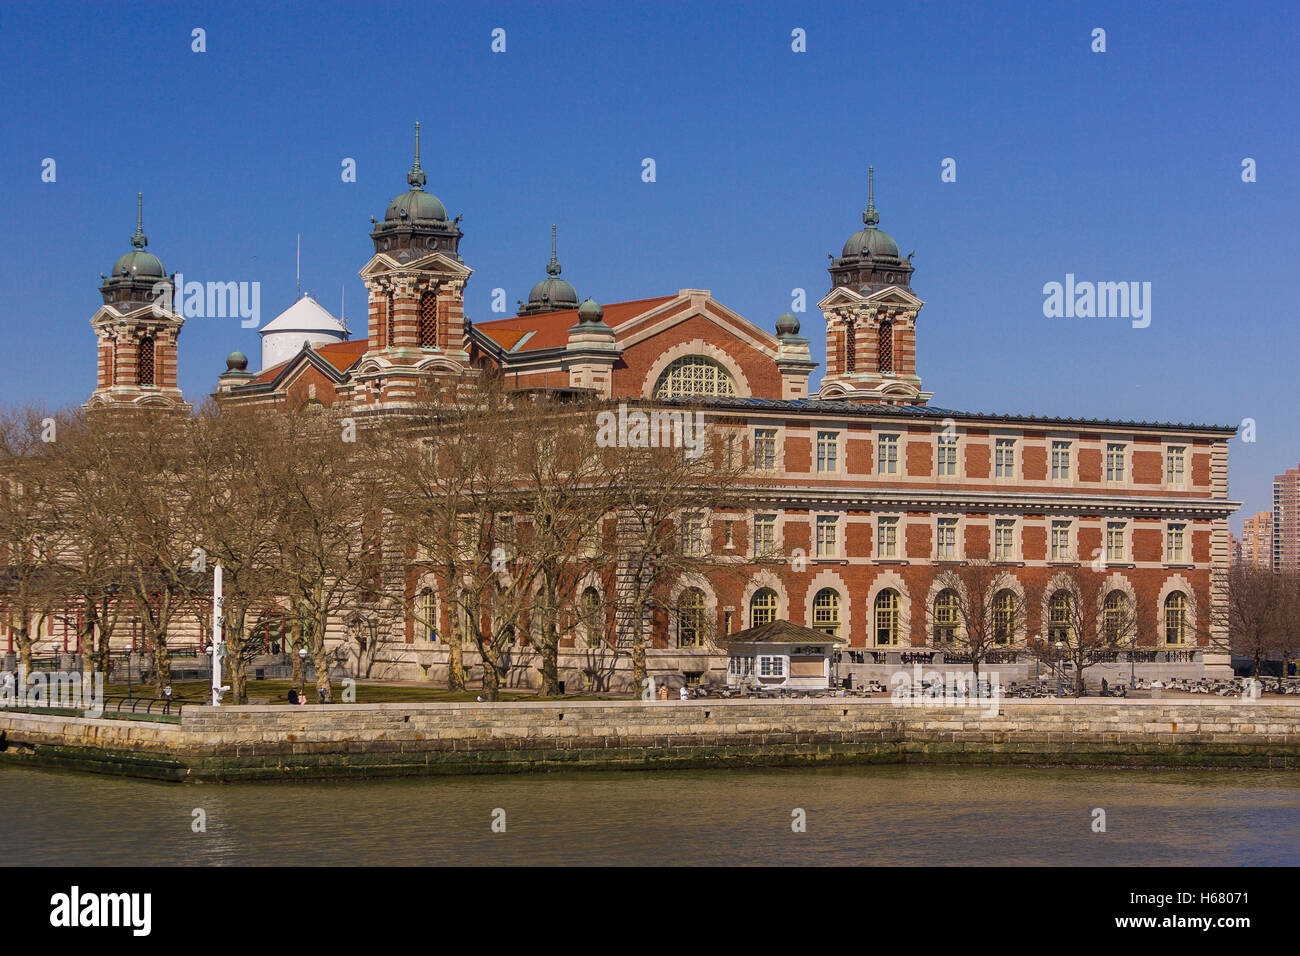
(886, 614)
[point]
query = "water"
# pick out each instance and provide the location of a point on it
(857, 815)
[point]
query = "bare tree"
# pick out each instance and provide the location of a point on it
(986, 614)
(1088, 621)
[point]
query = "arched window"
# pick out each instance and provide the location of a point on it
(826, 612)
(762, 607)
(1176, 618)
(946, 616)
(144, 364)
(428, 321)
(887, 618)
(694, 375)
(593, 623)
(1005, 604)
(1060, 614)
(428, 620)
(1115, 617)
(690, 618)
(885, 347)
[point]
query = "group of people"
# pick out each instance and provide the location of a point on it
(297, 698)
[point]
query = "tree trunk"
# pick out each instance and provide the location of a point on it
(162, 663)
(323, 691)
(456, 648)
(548, 648)
(491, 672)
(295, 659)
(638, 647)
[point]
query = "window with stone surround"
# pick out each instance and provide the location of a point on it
(827, 536)
(1060, 461)
(1174, 552)
(1176, 618)
(887, 537)
(764, 536)
(1004, 539)
(1004, 458)
(690, 618)
(1115, 462)
(887, 615)
(946, 461)
(887, 455)
(828, 452)
(826, 612)
(694, 375)
(762, 607)
(946, 616)
(1005, 604)
(946, 539)
(765, 449)
(1115, 545)
(1175, 457)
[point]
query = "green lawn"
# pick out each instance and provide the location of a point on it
(277, 692)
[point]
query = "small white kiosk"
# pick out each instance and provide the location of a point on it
(780, 656)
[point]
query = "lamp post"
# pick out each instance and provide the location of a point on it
(302, 671)
(1059, 645)
(1038, 641)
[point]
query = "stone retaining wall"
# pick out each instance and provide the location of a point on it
(232, 743)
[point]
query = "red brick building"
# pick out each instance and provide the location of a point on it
(877, 489)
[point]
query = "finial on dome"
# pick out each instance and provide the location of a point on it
(553, 267)
(787, 324)
(139, 240)
(871, 217)
(416, 178)
(590, 312)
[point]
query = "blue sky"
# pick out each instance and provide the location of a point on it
(1115, 166)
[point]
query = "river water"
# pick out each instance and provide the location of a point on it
(854, 816)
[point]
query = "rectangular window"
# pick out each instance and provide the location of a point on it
(764, 535)
(771, 666)
(947, 459)
(1115, 541)
(1004, 539)
(1114, 462)
(828, 451)
(827, 536)
(1060, 461)
(765, 449)
(887, 459)
(887, 538)
(1005, 458)
(1174, 544)
(1174, 458)
(946, 539)
(693, 536)
(1060, 541)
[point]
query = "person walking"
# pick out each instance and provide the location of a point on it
(686, 694)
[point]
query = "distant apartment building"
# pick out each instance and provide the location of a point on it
(1286, 520)
(1255, 546)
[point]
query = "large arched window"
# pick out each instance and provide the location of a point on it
(1115, 623)
(946, 616)
(428, 321)
(694, 375)
(826, 612)
(887, 618)
(1176, 618)
(144, 369)
(690, 618)
(1060, 612)
(885, 347)
(593, 623)
(762, 607)
(1005, 604)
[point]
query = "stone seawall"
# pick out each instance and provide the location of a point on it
(240, 743)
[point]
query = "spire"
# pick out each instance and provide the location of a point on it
(416, 177)
(553, 267)
(139, 240)
(871, 217)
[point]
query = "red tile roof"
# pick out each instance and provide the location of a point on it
(341, 355)
(551, 329)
